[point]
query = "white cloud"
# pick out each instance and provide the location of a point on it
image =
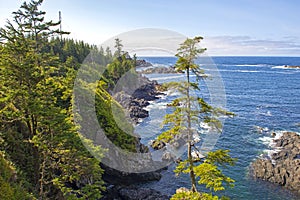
(245, 45)
(162, 42)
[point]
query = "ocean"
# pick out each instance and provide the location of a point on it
(265, 97)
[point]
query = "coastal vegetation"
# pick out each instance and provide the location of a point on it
(41, 153)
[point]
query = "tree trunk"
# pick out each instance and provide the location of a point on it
(190, 158)
(42, 175)
(192, 174)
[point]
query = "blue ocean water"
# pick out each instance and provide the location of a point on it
(262, 93)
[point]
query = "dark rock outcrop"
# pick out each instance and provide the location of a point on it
(292, 66)
(113, 176)
(142, 193)
(136, 99)
(146, 92)
(133, 193)
(143, 63)
(283, 167)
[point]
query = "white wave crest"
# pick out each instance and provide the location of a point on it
(253, 65)
(160, 65)
(168, 77)
(154, 105)
(246, 65)
(280, 67)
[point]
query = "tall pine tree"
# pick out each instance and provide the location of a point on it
(189, 110)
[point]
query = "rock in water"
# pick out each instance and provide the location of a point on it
(143, 63)
(292, 66)
(142, 193)
(283, 167)
(133, 193)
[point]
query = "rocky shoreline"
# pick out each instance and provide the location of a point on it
(133, 193)
(283, 166)
(120, 185)
(135, 100)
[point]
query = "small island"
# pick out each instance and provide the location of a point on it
(292, 66)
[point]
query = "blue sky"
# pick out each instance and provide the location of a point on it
(244, 27)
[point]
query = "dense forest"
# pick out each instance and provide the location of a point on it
(41, 153)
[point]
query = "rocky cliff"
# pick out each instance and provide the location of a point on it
(283, 167)
(134, 93)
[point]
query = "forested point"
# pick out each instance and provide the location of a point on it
(42, 155)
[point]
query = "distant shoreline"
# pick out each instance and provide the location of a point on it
(292, 67)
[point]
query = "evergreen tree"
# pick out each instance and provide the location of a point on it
(31, 89)
(101, 50)
(108, 53)
(10, 187)
(118, 47)
(190, 110)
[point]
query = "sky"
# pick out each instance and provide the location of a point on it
(229, 27)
